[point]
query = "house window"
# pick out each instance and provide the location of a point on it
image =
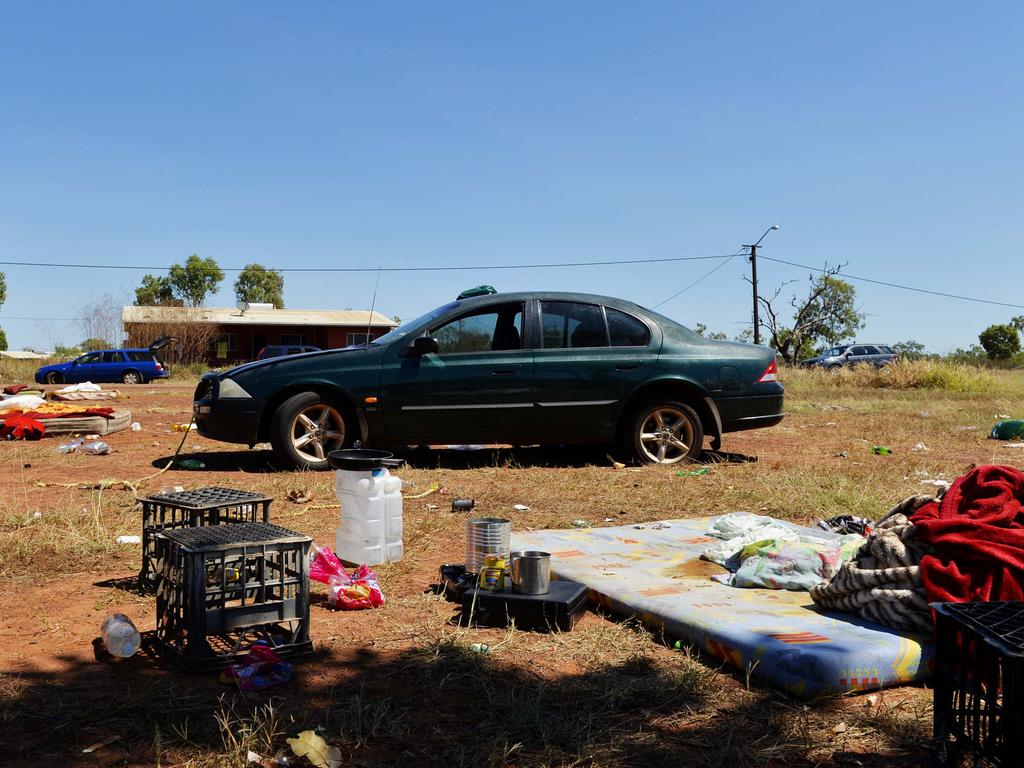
(359, 338)
(224, 345)
(293, 340)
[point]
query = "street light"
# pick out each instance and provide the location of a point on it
(753, 280)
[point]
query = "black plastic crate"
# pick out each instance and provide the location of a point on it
(192, 509)
(220, 588)
(979, 683)
(559, 609)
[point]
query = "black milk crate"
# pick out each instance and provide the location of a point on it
(192, 509)
(222, 587)
(979, 683)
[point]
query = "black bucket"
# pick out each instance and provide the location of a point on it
(362, 459)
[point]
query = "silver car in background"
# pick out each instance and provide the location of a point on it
(853, 354)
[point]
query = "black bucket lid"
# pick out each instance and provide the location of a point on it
(362, 459)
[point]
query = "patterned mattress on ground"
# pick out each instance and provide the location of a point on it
(779, 636)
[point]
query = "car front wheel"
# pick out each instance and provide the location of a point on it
(305, 428)
(54, 378)
(665, 433)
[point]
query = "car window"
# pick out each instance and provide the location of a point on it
(140, 357)
(396, 333)
(625, 330)
(491, 329)
(885, 350)
(569, 324)
(92, 357)
(859, 351)
(112, 357)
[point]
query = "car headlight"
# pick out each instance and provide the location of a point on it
(229, 388)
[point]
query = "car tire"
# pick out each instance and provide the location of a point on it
(666, 432)
(833, 368)
(54, 378)
(132, 377)
(308, 426)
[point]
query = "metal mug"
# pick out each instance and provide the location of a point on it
(531, 572)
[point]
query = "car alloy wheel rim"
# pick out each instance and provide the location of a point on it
(131, 378)
(318, 430)
(666, 436)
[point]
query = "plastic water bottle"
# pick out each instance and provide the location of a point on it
(371, 517)
(120, 637)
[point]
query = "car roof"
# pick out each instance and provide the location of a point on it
(591, 298)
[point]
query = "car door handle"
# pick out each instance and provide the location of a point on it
(505, 371)
(627, 366)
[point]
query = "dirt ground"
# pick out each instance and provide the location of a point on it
(401, 685)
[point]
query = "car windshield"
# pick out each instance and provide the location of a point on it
(396, 333)
(836, 351)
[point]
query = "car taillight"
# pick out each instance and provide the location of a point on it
(771, 373)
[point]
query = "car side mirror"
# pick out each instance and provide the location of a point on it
(422, 345)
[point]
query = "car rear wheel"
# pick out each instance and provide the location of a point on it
(54, 378)
(131, 377)
(305, 428)
(665, 433)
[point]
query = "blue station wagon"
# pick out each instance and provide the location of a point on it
(128, 366)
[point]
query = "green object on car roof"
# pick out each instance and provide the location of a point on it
(480, 290)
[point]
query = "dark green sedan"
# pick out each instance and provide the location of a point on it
(516, 368)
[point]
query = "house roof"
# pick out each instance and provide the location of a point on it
(257, 316)
(22, 354)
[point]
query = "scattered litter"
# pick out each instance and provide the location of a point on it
(870, 701)
(462, 505)
(483, 648)
(119, 636)
(350, 592)
(432, 506)
(693, 472)
(660, 526)
(1012, 429)
(100, 744)
(171, 489)
(442, 491)
(69, 447)
(924, 414)
(85, 386)
(847, 524)
(616, 464)
(609, 519)
(260, 669)
(37, 515)
(434, 488)
(919, 448)
(520, 508)
(314, 748)
(191, 464)
(842, 455)
(183, 427)
(300, 496)
(92, 437)
(678, 645)
(579, 523)
(881, 450)
(1014, 445)
(944, 484)
(970, 428)
(841, 728)
(136, 427)
(129, 539)
(97, 448)
(1000, 416)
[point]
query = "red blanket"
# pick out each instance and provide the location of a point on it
(977, 531)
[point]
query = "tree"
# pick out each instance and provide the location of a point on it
(1000, 341)
(91, 345)
(100, 322)
(156, 292)
(1017, 322)
(702, 330)
(910, 350)
(195, 280)
(258, 285)
(3, 298)
(827, 315)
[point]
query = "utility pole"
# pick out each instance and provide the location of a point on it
(753, 281)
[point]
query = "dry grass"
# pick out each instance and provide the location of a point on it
(904, 374)
(402, 685)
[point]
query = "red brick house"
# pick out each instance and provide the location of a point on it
(229, 335)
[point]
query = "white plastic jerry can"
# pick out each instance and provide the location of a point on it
(370, 532)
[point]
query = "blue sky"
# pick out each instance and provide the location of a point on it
(885, 135)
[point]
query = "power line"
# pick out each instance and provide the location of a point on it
(548, 265)
(902, 287)
(39, 319)
(699, 279)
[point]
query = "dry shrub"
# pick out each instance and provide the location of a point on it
(21, 371)
(194, 337)
(903, 374)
